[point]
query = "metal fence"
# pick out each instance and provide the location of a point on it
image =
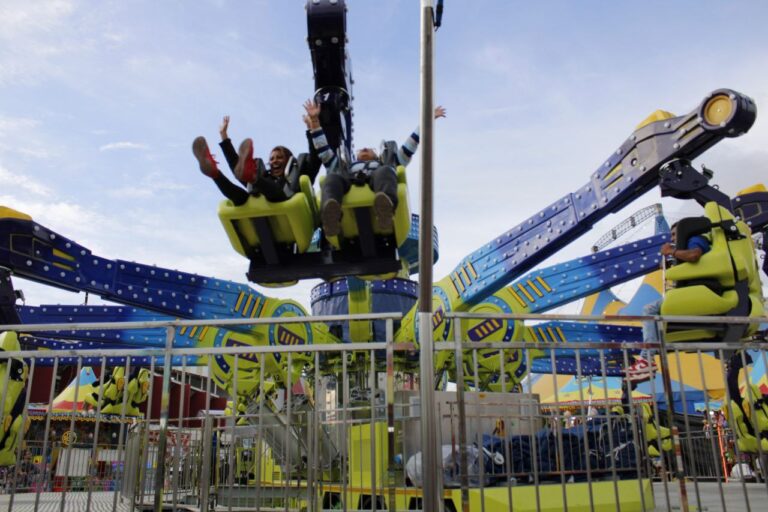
(337, 426)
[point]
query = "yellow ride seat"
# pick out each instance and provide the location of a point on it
(361, 196)
(112, 394)
(723, 281)
(14, 372)
(292, 221)
(138, 392)
(756, 407)
(745, 436)
(652, 432)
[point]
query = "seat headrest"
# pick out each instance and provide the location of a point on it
(690, 227)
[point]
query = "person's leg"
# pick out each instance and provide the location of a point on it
(650, 330)
(234, 193)
(209, 167)
(383, 182)
(334, 188)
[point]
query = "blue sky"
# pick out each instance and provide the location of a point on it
(100, 101)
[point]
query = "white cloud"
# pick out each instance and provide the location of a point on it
(123, 145)
(7, 178)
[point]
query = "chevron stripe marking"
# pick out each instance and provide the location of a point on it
(248, 302)
(525, 292)
(533, 287)
(552, 334)
(543, 284)
(517, 297)
(239, 301)
(256, 307)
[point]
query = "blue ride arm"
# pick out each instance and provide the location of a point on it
(625, 175)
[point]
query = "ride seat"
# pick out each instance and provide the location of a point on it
(652, 432)
(264, 231)
(717, 284)
(746, 440)
(361, 196)
(756, 409)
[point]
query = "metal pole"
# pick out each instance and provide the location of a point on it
(162, 439)
(429, 460)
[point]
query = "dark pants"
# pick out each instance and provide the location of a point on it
(382, 179)
(271, 190)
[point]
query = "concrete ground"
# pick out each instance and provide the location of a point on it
(737, 497)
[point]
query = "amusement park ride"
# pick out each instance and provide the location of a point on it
(367, 270)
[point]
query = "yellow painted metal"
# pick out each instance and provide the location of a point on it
(10, 213)
(291, 221)
(656, 116)
(362, 197)
(628, 496)
(361, 466)
(727, 262)
(718, 109)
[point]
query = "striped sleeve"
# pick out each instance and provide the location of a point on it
(406, 151)
(324, 151)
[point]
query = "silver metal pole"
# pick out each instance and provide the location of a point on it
(162, 440)
(429, 460)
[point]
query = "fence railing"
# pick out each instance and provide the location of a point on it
(336, 426)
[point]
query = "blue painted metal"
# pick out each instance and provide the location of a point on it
(590, 274)
(626, 174)
(39, 254)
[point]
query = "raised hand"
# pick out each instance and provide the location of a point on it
(223, 128)
(312, 116)
(439, 111)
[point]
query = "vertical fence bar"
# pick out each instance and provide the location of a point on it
(231, 459)
(679, 472)
(586, 437)
(260, 432)
(68, 453)
(179, 435)
(734, 426)
(24, 414)
(51, 394)
(289, 415)
(636, 435)
(372, 404)
(390, 355)
(344, 431)
(713, 432)
(145, 455)
(94, 448)
(458, 356)
(122, 434)
(207, 438)
(687, 424)
(163, 431)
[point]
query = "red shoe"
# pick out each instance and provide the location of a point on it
(208, 164)
(245, 170)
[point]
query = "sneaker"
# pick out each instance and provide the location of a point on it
(245, 170)
(204, 157)
(385, 211)
(331, 217)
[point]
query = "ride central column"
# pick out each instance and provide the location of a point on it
(430, 465)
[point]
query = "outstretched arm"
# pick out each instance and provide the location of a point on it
(411, 144)
(230, 154)
(319, 141)
(223, 128)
